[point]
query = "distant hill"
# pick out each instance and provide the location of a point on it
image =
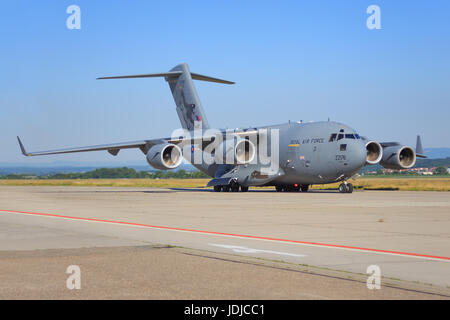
(437, 153)
(114, 173)
(42, 170)
(420, 163)
(430, 163)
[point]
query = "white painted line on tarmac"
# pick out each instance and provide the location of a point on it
(240, 249)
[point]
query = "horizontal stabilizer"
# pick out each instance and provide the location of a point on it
(170, 74)
(148, 75)
(197, 76)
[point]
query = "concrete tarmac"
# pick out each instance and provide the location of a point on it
(255, 245)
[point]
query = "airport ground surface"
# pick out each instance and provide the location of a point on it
(196, 244)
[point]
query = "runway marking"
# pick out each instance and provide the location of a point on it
(240, 249)
(298, 242)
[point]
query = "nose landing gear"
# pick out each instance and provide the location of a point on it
(345, 187)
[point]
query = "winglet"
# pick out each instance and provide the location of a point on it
(22, 148)
(419, 148)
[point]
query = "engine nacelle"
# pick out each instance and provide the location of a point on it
(164, 156)
(398, 157)
(374, 152)
(240, 151)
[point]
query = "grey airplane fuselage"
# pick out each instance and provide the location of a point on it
(307, 156)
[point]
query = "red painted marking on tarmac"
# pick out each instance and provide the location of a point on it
(231, 235)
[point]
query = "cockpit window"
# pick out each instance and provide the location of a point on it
(332, 137)
(341, 135)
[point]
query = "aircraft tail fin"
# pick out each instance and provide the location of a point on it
(189, 108)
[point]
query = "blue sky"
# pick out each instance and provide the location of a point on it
(291, 60)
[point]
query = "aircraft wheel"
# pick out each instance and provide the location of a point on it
(244, 189)
(217, 188)
(342, 188)
(234, 186)
(226, 188)
(279, 188)
(349, 188)
(304, 187)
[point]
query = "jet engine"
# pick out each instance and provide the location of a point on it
(240, 151)
(398, 157)
(164, 156)
(374, 152)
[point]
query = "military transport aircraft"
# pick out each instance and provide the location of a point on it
(307, 153)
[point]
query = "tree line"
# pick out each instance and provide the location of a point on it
(114, 173)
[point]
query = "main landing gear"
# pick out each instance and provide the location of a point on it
(233, 187)
(345, 187)
(292, 188)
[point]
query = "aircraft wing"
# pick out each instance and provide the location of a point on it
(206, 139)
(112, 148)
(419, 148)
(143, 145)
